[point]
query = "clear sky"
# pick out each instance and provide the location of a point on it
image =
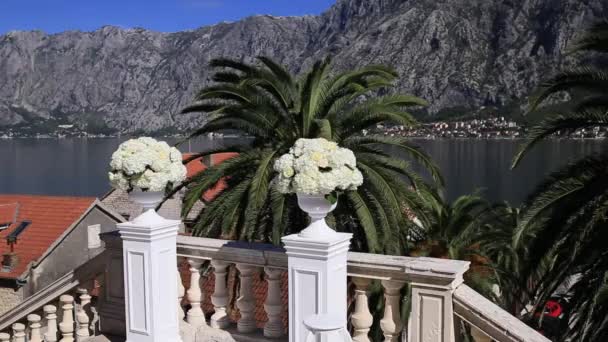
(160, 15)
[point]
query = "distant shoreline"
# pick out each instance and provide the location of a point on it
(238, 137)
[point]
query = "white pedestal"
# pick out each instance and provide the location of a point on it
(317, 279)
(149, 258)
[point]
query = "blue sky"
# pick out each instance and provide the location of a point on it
(161, 15)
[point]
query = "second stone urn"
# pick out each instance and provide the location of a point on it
(317, 207)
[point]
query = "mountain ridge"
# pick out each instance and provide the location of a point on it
(453, 53)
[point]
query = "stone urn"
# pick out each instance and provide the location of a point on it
(147, 199)
(317, 207)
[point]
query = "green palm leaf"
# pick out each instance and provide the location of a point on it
(274, 107)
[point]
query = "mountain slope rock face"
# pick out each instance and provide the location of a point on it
(467, 53)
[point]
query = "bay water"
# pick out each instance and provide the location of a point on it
(78, 167)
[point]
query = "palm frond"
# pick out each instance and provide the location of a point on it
(400, 144)
(559, 123)
(258, 192)
(595, 39)
(586, 78)
(365, 217)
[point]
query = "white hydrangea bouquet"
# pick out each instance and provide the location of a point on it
(147, 165)
(317, 167)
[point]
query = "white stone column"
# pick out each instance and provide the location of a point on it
(317, 278)
(390, 323)
(149, 256)
(67, 318)
(273, 304)
(195, 315)
(50, 313)
(246, 301)
(4, 337)
(82, 316)
(34, 323)
(18, 332)
(432, 288)
(362, 318)
(220, 319)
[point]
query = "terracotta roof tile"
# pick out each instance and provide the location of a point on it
(220, 157)
(197, 165)
(51, 216)
(8, 213)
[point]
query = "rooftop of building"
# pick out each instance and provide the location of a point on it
(50, 217)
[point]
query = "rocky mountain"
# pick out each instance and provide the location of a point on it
(451, 52)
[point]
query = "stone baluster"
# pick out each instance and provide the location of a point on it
(195, 315)
(18, 332)
(34, 324)
(181, 291)
(246, 302)
(67, 322)
(82, 316)
(362, 318)
(50, 314)
(273, 304)
(391, 322)
(219, 299)
(4, 337)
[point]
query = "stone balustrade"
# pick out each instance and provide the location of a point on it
(248, 262)
(74, 323)
(429, 278)
(435, 285)
(73, 307)
(235, 276)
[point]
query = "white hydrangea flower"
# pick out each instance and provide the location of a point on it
(317, 166)
(175, 155)
(118, 180)
(147, 164)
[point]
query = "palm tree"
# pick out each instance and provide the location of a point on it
(587, 87)
(508, 258)
(564, 220)
(265, 102)
(455, 231)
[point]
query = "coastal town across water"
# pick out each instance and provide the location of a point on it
(487, 128)
(490, 128)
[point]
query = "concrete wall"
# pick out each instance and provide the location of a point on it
(9, 298)
(69, 253)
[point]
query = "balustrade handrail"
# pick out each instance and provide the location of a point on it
(366, 265)
(35, 302)
(391, 270)
(60, 286)
(238, 252)
(488, 317)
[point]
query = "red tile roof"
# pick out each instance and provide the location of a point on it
(51, 216)
(217, 158)
(197, 165)
(8, 213)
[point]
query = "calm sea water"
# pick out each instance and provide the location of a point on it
(79, 166)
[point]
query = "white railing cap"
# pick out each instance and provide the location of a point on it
(411, 269)
(492, 319)
(240, 252)
(431, 271)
